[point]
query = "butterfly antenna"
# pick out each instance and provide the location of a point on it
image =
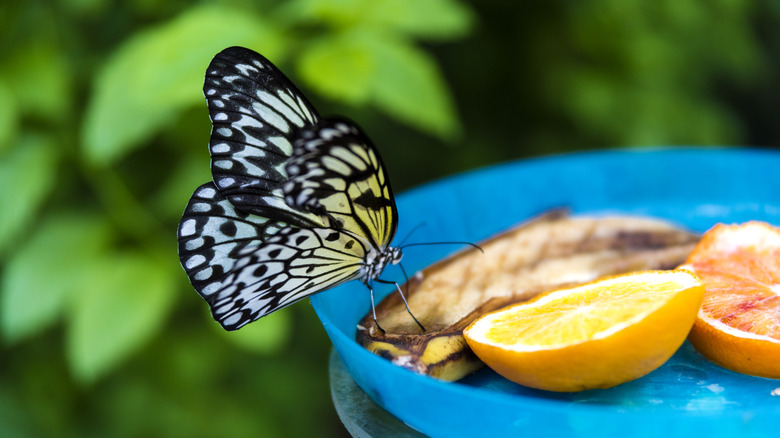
(473, 245)
(404, 300)
(409, 234)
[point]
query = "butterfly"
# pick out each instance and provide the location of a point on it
(298, 203)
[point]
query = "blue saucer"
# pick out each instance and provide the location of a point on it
(687, 396)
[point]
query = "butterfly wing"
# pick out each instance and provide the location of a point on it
(255, 113)
(298, 205)
(247, 266)
(212, 235)
(336, 173)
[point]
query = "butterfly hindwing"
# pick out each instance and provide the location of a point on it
(246, 266)
(256, 113)
(291, 265)
(335, 172)
(212, 234)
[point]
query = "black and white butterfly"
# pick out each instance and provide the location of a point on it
(298, 204)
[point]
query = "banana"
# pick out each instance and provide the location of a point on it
(551, 251)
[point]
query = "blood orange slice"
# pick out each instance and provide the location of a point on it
(738, 325)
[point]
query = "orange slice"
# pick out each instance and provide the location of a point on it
(738, 326)
(597, 335)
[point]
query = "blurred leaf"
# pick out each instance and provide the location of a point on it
(179, 186)
(432, 19)
(14, 419)
(123, 303)
(397, 77)
(65, 247)
(85, 8)
(27, 174)
(409, 86)
(267, 335)
(159, 72)
(40, 80)
(340, 67)
(9, 119)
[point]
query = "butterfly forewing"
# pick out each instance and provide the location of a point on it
(256, 113)
(336, 173)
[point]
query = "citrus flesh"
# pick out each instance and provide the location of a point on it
(596, 335)
(738, 326)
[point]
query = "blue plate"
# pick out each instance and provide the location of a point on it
(687, 396)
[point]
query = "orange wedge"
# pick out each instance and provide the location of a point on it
(597, 335)
(738, 326)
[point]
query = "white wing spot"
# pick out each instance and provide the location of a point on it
(193, 244)
(211, 288)
(224, 164)
(221, 148)
(195, 260)
(204, 274)
(201, 207)
(234, 318)
(188, 227)
(207, 192)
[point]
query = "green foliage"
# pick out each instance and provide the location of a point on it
(103, 130)
(8, 117)
(634, 73)
(369, 56)
(362, 65)
(39, 79)
(124, 303)
(150, 79)
(27, 175)
(103, 133)
(267, 335)
(31, 301)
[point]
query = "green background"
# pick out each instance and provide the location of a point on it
(103, 134)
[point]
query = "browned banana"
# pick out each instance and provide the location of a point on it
(548, 252)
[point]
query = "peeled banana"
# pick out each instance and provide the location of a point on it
(551, 251)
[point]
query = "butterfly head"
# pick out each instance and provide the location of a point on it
(395, 255)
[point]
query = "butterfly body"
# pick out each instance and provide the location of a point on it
(298, 204)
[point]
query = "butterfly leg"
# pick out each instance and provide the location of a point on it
(398, 288)
(373, 308)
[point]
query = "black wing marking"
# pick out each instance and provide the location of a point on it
(247, 266)
(213, 234)
(293, 264)
(256, 113)
(336, 173)
(297, 205)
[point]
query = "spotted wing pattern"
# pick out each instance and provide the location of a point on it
(256, 113)
(213, 234)
(298, 204)
(337, 174)
(288, 266)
